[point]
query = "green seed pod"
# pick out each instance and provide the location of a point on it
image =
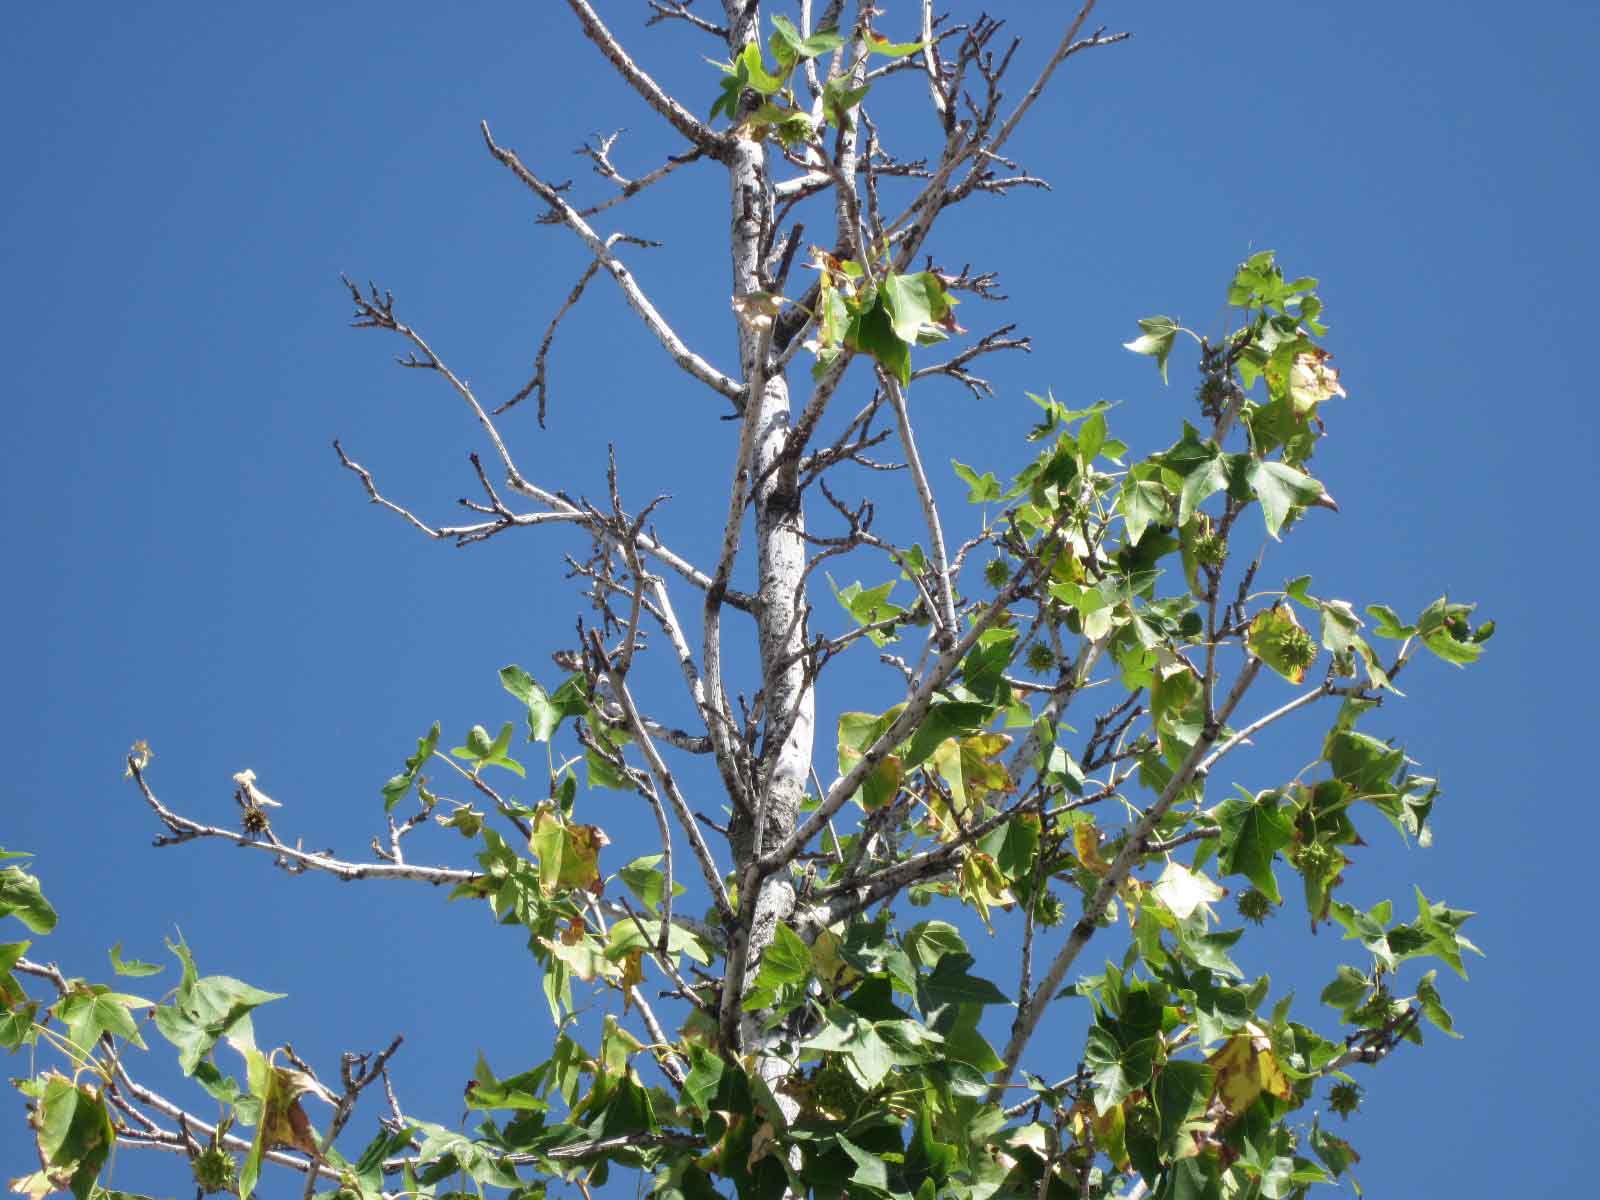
(1254, 906)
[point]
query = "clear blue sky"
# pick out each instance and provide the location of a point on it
(190, 566)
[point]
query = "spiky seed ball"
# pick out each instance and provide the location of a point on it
(1048, 910)
(1254, 905)
(835, 1093)
(997, 572)
(1298, 650)
(213, 1170)
(1210, 550)
(1313, 858)
(1040, 657)
(1345, 1098)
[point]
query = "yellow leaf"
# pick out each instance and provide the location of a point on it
(981, 766)
(617, 1045)
(632, 976)
(569, 855)
(827, 957)
(1110, 1134)
(1086, 844)
(139, 756)
(1312, 380)
(1183, 891)
(756, 309)
(981, 884)
(283, 1122)
(585, 958)
(1246, 1066)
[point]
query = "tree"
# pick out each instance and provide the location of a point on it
(777, 1018)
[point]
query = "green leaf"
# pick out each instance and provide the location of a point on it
(1117, 1071)
(74, 1134)
(1432, 1007)
(1252, 834)
(17, 1025)
(396, 789)
(483, 751)
(873, 333)
(1362, 762)
(964, 1044)
(929, 941)
(980, 489)
(870, 1170)
(882, 46)
(1143, 503)
(755, 74)
(1336, 1153)
(950, 983)
(1281, 488)
(1348, 990)
(794, 47)
(89, 1012)
(1441, 925)
(207, 1009)
(1210, 950)
(132, 966)
(952, 718)
(1389, 623)
(705, 1076)
(625, 937)
(518, 682)
(545, 713)
(1277, 639)
(857, 732)
(1182, 1092)
(1091, 437)
(603, 775)
(647, 883)
(1156, 340)
(519, 1093)
(913, 303)
(787, 958)
(838, 98)
(1443, 628)
(20, 897)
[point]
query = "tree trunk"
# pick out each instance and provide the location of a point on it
(788, 704)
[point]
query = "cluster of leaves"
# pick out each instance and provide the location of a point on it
(90, 1025)
(1192, 1071)
(777, 114)
(878, 313)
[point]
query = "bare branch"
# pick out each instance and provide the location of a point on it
(637, 300)
(669, 786)
(183, 830)
(679, 117)
(374, 311)
(666, 10)
(955, 367)
(1067, 47)
(946, 609)
(538, 382)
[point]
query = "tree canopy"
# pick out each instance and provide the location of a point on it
(792, 997)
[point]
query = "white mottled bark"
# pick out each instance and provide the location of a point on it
(788, 704)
